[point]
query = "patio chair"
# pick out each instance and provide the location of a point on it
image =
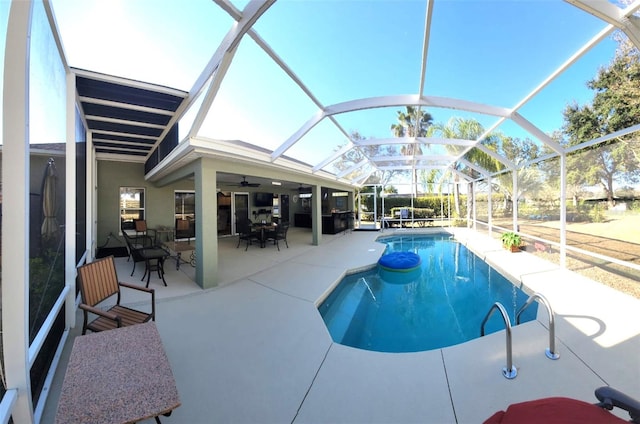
(183, 230)
(570, 411)
(99, 281)
(280, 233)
(246, 233)
(135, 246)
(142, 230)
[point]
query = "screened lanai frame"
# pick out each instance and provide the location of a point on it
(561, 200)
(329, 124)
(332, 115)
(335, 113)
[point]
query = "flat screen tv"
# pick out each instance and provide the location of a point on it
(263, 199)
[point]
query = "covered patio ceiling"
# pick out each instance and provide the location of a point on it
(126, 118)
(248, 91)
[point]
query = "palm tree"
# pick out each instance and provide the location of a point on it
(466, 129)
(414, 123)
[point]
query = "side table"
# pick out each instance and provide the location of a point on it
(150, 255)
(117, 376)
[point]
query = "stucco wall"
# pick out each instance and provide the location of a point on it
(159, 208)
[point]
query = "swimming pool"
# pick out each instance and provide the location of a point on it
(440, 304)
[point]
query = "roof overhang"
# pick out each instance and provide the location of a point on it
(127, 119)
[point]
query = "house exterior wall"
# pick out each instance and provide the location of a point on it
(159, 202)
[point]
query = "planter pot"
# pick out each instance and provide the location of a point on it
(512, 248)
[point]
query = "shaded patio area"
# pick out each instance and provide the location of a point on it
(255, 348)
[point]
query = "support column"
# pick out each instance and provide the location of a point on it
(70, 206)
(563, 210)
(382, 196)
(15, 222)
(316, 215)
(92, 196)
(514, 199)
(206, 225)
(449, 203)
(490, 206)
(473, 205)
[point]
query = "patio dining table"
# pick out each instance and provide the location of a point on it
(262, 230)
(179, 249)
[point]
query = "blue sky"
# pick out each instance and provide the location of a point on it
(492, 52)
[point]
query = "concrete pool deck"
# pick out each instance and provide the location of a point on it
(255, 349)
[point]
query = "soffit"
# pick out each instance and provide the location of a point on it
(127, 118)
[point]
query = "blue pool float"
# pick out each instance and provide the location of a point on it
(399, 261)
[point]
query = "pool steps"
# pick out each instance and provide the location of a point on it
(339, 319)
(510, 372)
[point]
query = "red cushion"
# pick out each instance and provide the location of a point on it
(554, 410)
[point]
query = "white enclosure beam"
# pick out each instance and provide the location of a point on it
(15, 197)
(563, 211)
(353, 168)
(333, 157)
(305, 128)
(536, 132)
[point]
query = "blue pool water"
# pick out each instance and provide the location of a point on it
(440, 304)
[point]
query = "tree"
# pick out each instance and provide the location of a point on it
(615, 106)
(428, 179)
(518, 151)
(414, 123)
(468, 129)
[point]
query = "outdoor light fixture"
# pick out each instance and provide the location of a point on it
(276, 183)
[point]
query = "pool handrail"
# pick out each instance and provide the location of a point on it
(550, 352)
(509, 372)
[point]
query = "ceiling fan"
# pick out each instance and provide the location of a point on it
(245, 183)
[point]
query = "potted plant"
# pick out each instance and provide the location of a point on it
(511, 241)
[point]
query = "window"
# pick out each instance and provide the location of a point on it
(185, 210)
(185, 205)
(132, 201)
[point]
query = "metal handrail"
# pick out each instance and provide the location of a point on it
(509, 371)
(550, 352)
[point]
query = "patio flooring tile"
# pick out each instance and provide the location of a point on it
(255, 349)
(355, 386)
(243, 353)
(478, 388)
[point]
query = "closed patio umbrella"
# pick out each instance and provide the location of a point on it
(50, 229)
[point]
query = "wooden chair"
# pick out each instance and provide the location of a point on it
(183, 230)
(142, 230)
(98, 282)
